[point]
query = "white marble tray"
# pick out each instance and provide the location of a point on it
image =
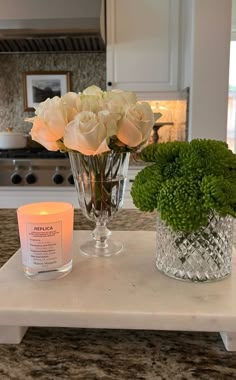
(122, 292)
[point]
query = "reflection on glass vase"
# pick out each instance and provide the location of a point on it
(100, 183)
(203, 255)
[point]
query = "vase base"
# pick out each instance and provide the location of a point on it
(113, 248)
(193, 277)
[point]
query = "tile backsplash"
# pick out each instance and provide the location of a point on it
(86, 69)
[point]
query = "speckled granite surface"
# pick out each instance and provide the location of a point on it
(88, 354)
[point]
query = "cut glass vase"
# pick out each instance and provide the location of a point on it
(204, 255)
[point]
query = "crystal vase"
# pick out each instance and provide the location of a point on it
(204, 255)
(100, 183)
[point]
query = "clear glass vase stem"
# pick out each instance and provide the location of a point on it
(101, 234)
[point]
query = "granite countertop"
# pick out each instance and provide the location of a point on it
(91, 354)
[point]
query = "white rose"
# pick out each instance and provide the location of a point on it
(50, 122)
(118, 101)
(93, 90)
(128, 96)
(86, 134)
(43, 135)
(69, 100)
(110, 122)
(92, 103)
(136, 125)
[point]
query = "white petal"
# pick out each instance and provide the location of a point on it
(103, 147)
(129, 134)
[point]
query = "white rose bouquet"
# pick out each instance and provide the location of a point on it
(92, 122)
(98, 129)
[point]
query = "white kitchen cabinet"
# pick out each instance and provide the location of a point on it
(142, 47)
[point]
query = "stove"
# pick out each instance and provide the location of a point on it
(34, 167)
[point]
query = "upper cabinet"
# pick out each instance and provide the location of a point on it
(142, 47)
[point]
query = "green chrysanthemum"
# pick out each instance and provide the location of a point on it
(146, 187)
(186, 182)
(219, 194)
(180, 204)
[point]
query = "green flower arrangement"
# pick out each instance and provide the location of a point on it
(186, 181)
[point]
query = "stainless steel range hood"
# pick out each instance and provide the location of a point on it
(28, 26)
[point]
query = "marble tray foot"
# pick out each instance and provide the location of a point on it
(229, 340)
(12, 334)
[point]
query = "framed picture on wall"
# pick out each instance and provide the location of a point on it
(40, 85)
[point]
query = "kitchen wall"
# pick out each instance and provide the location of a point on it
(86, 69)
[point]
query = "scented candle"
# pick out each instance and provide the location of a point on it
(46, 236)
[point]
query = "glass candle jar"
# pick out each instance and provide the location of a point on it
(46, 236)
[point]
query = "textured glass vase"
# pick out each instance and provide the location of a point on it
(204, 255)
(100, 183)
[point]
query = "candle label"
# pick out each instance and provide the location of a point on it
(44, 245)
